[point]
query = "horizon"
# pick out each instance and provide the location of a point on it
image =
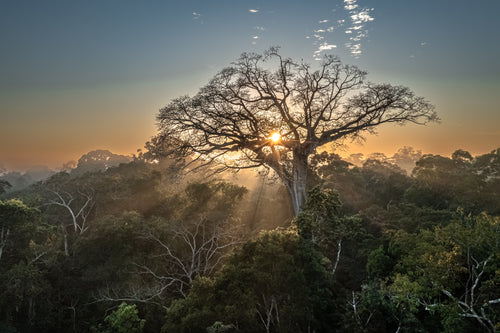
(82, 76)
(344, 153)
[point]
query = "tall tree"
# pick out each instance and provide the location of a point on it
(249, 115)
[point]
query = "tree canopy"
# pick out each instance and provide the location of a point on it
(372, 250)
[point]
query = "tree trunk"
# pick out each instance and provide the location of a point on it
(3, 239)
(296, 184)
(65, 239)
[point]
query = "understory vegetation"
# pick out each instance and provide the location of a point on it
(143, 247)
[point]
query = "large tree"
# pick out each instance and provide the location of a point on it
(267, 110)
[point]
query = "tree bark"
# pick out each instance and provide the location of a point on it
(297, 182)
(3, 239)
(65, 239)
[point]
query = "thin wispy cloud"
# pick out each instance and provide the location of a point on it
(361, 17)
(259, 29)
(355, 49)
(196, 15)
(323, 47)
(352, 19)
(318, 37)
(350, 4)
(357, 30)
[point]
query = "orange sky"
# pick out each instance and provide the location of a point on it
(121, 119)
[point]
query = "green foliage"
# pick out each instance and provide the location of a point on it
(418, 254)
(378, 264)
(462, 181)
(336, 235)
(276, 281)
(450, 271)
(27, 254)
(18, 225)
(219, 327)
(125, 319)
(322, 222)
(14, 211)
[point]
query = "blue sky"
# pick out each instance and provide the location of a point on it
(82, 75)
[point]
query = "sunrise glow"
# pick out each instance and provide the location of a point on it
(275, 137)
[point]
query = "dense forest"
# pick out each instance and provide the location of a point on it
(114, 244)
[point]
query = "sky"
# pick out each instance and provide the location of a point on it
(76, 76)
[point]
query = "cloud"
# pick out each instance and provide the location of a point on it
(350, 4)
(253, 10)
(362, 17)
(255, 37)
(353, 23)
(358, 37)
(357, 31)
(355, 48)
(324, 47)
(259, 28)
(196, 15)
(423, 43)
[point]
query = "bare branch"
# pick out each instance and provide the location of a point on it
(188, 250)
(230, 120)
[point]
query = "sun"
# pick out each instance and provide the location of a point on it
(275, 137)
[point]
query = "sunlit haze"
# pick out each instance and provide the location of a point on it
(76, 76)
